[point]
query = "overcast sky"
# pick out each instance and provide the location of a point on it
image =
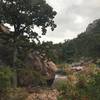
(72, 18)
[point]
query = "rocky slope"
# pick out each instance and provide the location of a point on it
(94, 27)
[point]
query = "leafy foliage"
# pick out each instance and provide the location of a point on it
(30, 78)
(81, 86)
(5, 77)
(15, 94)
(24, 16)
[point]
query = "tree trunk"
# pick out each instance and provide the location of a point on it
(14, 60)
(14, 67)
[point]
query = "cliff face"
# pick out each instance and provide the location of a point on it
(94, 27)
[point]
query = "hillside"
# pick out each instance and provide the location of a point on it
(85, 46)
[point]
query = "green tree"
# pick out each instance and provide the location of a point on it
(68, 51)
(24, 16)
(52, 51)
(5, 77)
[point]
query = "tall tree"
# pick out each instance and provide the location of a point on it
(24, 16)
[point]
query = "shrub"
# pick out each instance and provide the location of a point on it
(81, 86)
(61, 85)
(94, 88)
(5, 77)
(15, 94)
(28, 77)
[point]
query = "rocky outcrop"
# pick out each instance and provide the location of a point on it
(46, 68)
(94, 27)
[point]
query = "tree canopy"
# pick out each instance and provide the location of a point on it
(24, 16)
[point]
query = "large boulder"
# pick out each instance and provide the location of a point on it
(45, 67)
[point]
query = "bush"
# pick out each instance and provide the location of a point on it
(15, 94)
(61, 85)
(94, 88)
(5, 77)
(68, 89)
(28, 77)
(69, 92)
(86, 86)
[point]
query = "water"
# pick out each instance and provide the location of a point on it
(57, 76)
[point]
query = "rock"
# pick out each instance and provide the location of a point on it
(44, 67)
(36, 62)
(94, 27)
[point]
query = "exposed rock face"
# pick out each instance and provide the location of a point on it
(94, 27)
(45, 67)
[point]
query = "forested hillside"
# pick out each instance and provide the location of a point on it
(85, 46)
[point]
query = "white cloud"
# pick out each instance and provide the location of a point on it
(79, 19)
(73, 17)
